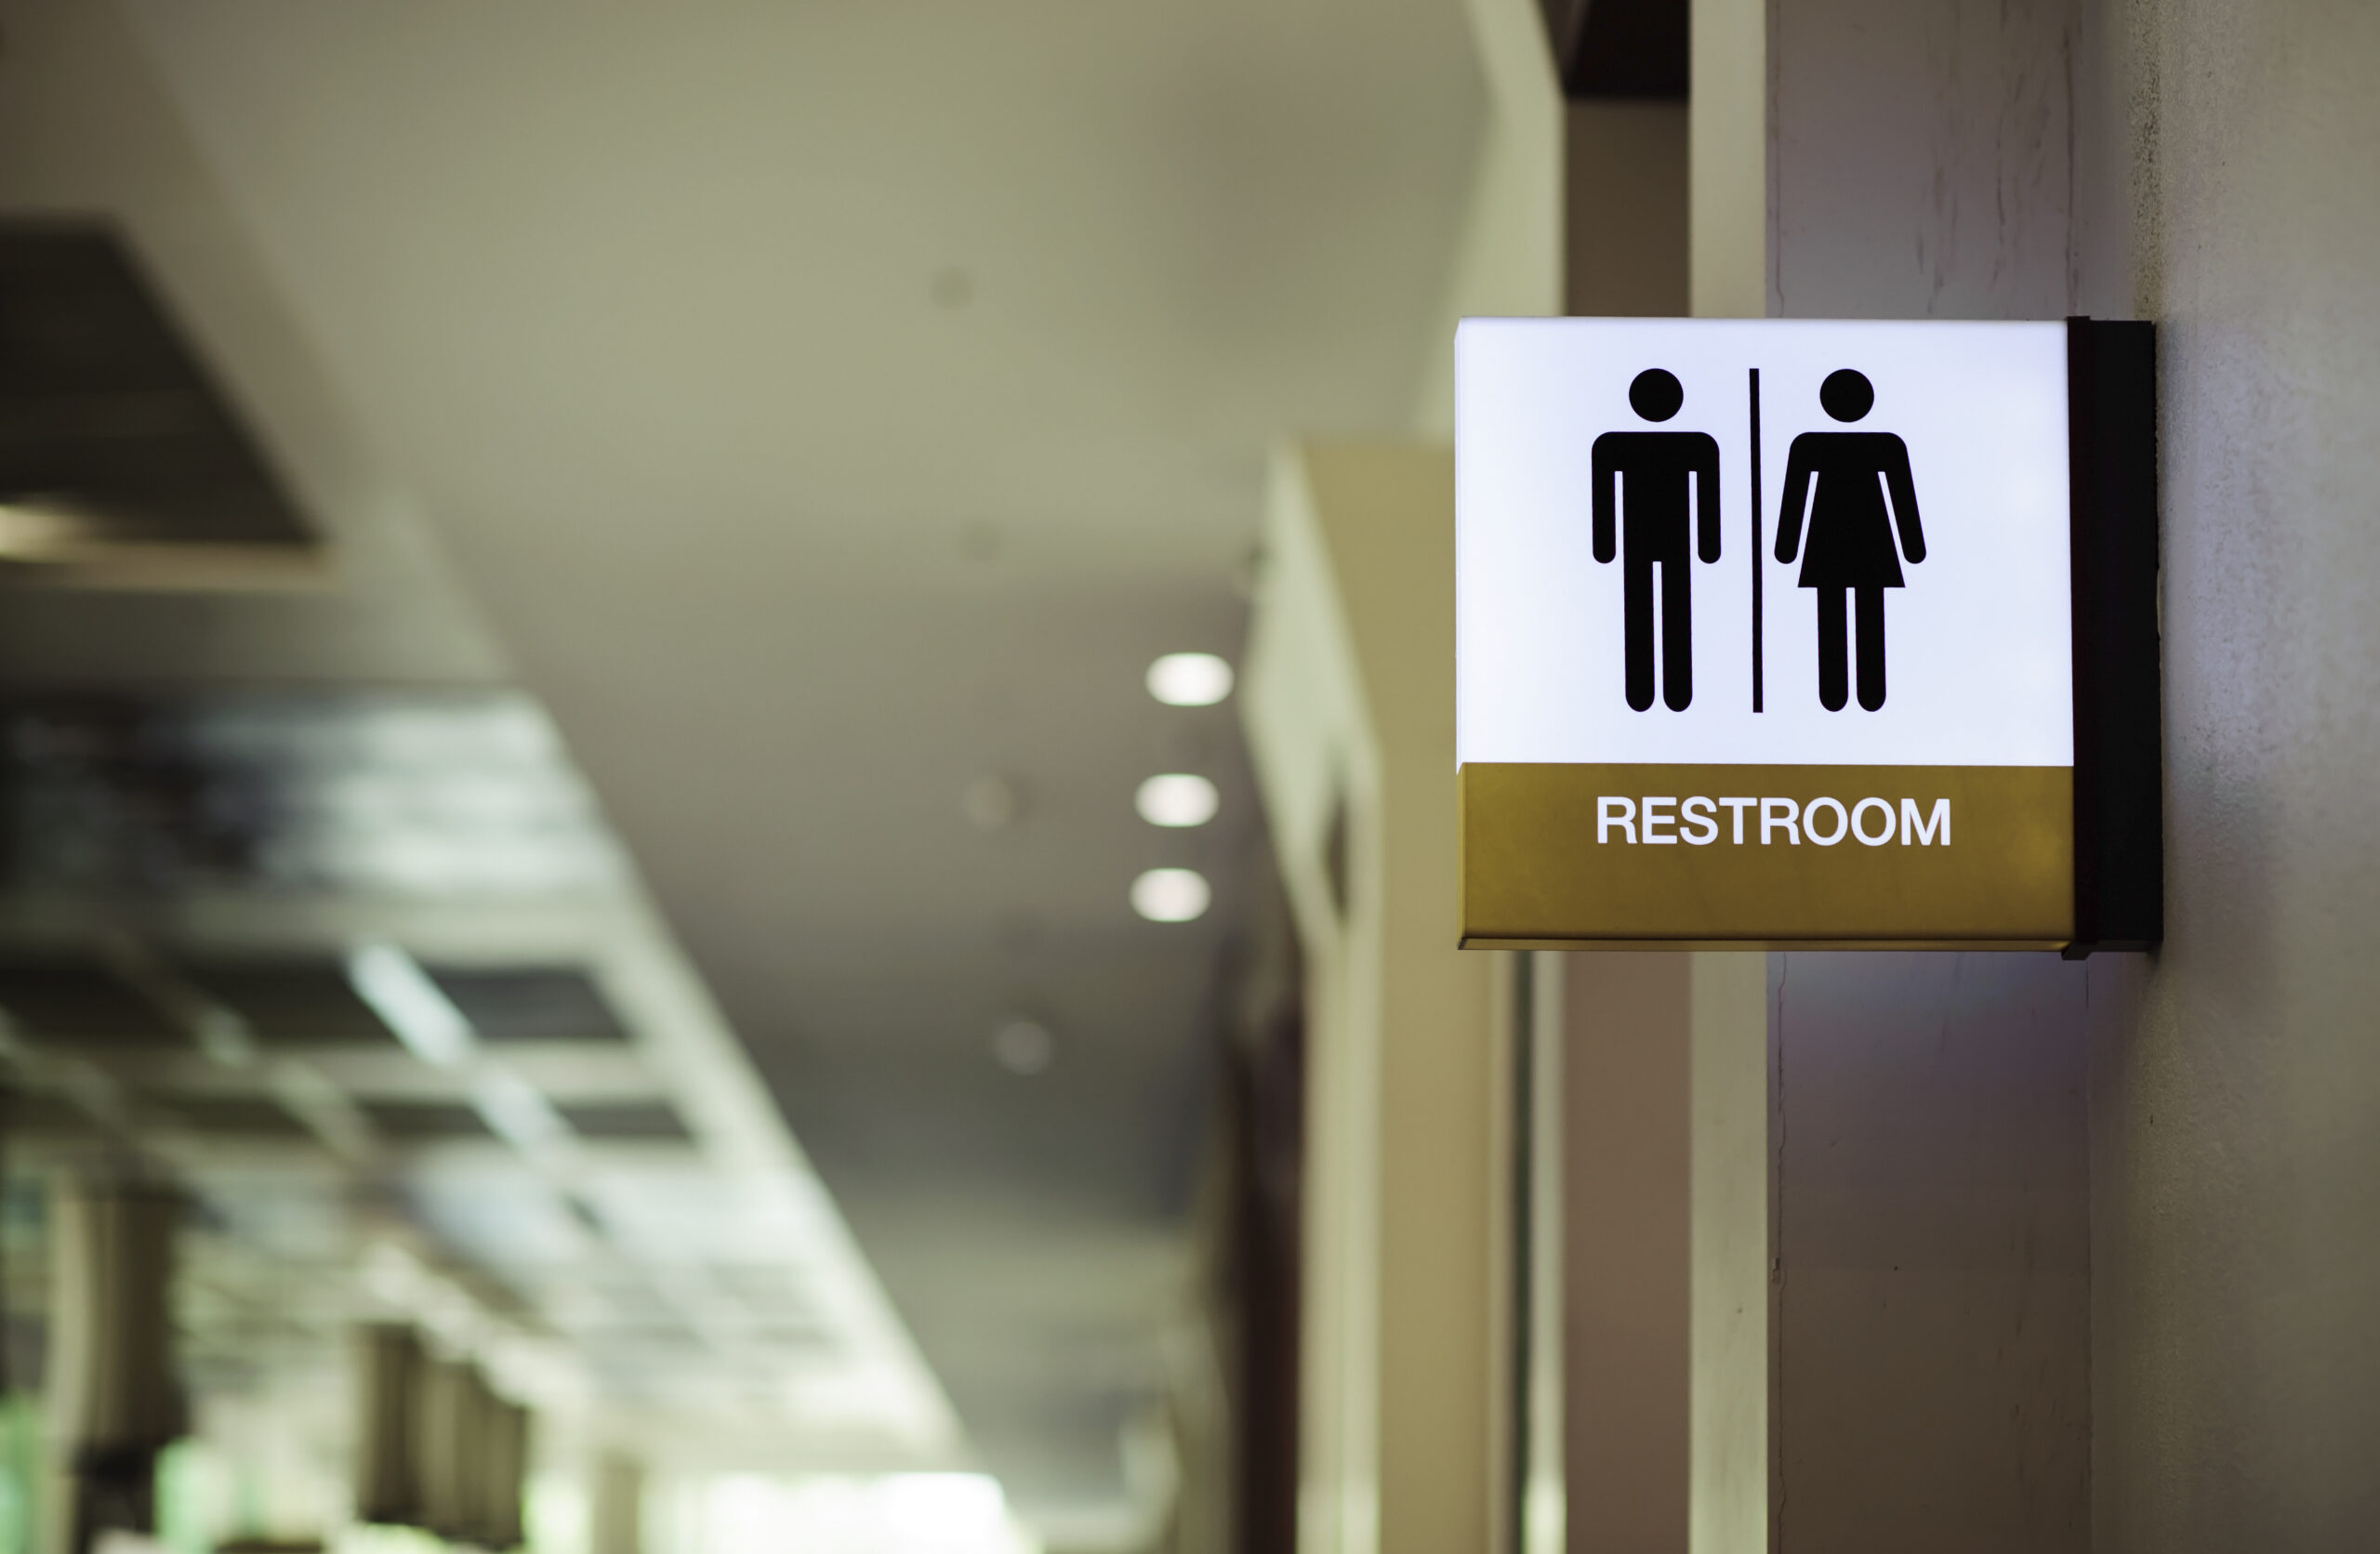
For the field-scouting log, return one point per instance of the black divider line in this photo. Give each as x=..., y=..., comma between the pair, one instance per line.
x=1755, y=542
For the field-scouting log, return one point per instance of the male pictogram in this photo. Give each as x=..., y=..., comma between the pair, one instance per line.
x=1850, y=543
x=1666, y=478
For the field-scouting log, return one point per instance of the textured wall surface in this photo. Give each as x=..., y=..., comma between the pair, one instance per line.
x=1921, y=160
x=2237, y=1206
x=1932, y=1303
x=1933, y=1237
x=2210, y=165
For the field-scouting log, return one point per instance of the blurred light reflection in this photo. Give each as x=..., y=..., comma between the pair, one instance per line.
x=896, y=1513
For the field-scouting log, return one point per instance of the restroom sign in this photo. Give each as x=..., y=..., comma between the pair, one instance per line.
x=1806, y=633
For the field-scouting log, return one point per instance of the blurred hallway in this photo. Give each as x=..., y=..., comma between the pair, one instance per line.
x=748, y=459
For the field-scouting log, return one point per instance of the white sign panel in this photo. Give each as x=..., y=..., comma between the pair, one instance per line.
x=1763, y=542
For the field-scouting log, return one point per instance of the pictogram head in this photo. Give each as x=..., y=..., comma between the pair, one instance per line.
x=1846, y=395
x=1656, y=394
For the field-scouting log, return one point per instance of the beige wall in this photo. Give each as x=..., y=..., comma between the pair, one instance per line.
x=1728, y=146
x=2236, y=1210
x=1350, y=702
x=1508, y=257
x=1390, y=514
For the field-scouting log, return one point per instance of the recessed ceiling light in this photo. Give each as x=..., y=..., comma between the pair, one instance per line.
x=1172, y=895
x=1189, y=679
x=1023, y=1046
x=1177, y=798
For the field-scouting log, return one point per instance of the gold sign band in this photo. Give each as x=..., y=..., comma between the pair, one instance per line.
x=1787, y=855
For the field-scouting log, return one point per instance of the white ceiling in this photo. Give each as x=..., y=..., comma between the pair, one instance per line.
x=817, y=407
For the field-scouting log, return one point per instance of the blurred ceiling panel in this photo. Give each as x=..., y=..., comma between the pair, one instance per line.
x=536, y=1004
x=381, y=793
x=197, y=937
x=651, y=1121
x=82, y=1005
x=294, y=1003
x=117, y=448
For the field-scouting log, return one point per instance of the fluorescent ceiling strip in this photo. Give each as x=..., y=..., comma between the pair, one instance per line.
x=402, y=993
x=516, y=1111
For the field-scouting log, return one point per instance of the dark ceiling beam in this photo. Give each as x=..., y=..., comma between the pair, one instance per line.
x=1619, y=48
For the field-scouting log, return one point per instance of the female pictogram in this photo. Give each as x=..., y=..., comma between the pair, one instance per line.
x=1663, y=477
x=1850, y=540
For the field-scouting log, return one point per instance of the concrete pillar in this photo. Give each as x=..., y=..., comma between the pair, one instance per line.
x=1930, y=1332
x=1545, y=1505
x=1665, y=1206
x=1665, y=1056
x=386, y=1468
x=447, y=1422
x=1729, y=1247
x=1627, y=1269
x=616, y=1505
x=115, y=1398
